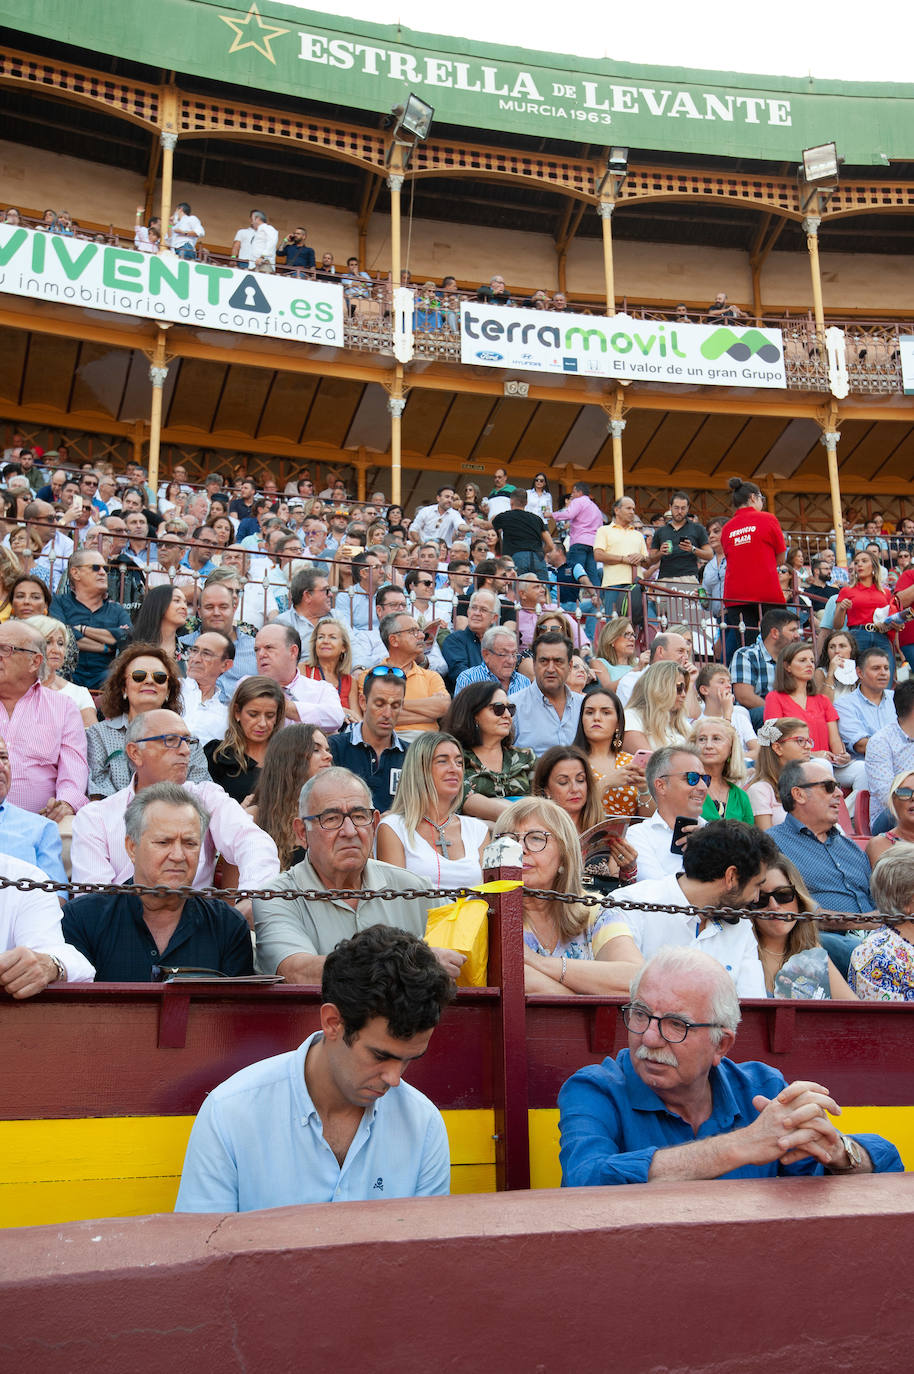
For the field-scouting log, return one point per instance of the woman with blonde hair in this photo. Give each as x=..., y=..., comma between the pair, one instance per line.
x=858, y=603
x=10, y=569
x=794, y=961
x=655, y=715
x=60, y=656
x=785, y=740
x=569, y=947
x=422, y=832
x=722, y=755
x=329, y=659
x=614, y=652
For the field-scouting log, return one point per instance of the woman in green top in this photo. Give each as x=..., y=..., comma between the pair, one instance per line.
x=481, y=719
x=722, y=755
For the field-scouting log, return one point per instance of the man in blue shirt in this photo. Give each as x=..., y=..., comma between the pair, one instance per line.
x=25, y=835
x=100, y=626
x=371, y=747
x=834, y=869
x=548, y=711
x=499, y=662
x=672, y=1107
x=333, y=1121
x=870, y=706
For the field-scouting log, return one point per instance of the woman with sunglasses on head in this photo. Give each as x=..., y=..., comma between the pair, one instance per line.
x=160, y=619
x=570, y=948
x=835, y=671
x=722, y=755
x=256, y=712
x=900, y=802
x=601, y=729
x=60, y=656
x=422, y=832
x=293, y=755
x=795, y=963
x=655, y=715
x=785, y=740
x=142, y=678
x=481, y=719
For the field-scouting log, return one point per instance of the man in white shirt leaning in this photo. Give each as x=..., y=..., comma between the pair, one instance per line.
x=724, y=865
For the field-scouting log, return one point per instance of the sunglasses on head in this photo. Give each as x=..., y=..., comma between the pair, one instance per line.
x=158, y=675
x=500, y=707
x=383, y=670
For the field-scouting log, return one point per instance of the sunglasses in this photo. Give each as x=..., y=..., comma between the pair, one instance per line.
x=158, y=675
x=383, y=671
x=903, y=793
x=691, y=777
x=500, y=707
x=94, y=567
x=780, y=895
x=828, y=784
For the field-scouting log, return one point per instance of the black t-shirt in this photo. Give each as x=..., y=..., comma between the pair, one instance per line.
x=818, y=596
x=520, y=531
x=677, y=564
x=237, y=783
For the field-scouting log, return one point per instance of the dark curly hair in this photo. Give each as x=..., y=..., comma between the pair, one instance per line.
x=113, y=699
x=383, y=971
x=460, y=720
x=728, y=844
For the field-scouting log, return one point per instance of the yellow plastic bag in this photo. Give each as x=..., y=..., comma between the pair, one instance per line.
x=464, y=927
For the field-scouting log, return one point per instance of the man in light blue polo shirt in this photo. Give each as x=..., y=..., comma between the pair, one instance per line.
x=333, y=1121
x=870, y=706
x=548, y=711
x=25, y=835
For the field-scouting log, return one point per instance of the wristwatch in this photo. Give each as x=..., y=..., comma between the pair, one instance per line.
x=61, y=968
x=854, y=1156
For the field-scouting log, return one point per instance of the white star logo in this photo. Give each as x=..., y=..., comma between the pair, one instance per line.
x=263, y=34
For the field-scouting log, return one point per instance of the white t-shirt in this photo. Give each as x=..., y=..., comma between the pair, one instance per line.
x=734, y=946
x=651, y=840
x=424, y=859
x=633, y=721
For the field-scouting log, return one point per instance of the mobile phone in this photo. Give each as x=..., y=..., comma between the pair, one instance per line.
x=640, y=758
x=77, y=503
x=681, y=824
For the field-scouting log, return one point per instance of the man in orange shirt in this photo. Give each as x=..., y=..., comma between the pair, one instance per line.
x=427, y=698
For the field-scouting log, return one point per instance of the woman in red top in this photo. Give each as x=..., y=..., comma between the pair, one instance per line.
x=753, y=543
x=795, y=694
x=329, y=659
x=857, y=602
x=904, y=591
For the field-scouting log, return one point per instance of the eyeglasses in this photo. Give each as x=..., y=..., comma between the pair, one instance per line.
x=903, y=793
x=194, y=652
x=410, y=630
x=500, y=707
x=828, y=784
x=533, y=842
x=332, y=819
x=158, y=675
x=424, y=583
x=7, y=649
x=673, y=1029
x=383, y=671
x=803, y=740
x=781, y=896
x=92, y=567
x=691, y=777
x=681, y=689
x=502, y=653
x=172, y=741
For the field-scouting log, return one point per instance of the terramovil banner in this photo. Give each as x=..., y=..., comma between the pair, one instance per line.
x=50, y=267
x=621, y=348
x=906, y=349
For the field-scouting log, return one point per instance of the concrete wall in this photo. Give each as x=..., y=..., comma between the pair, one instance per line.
x=764, y=1277
x=34, y=178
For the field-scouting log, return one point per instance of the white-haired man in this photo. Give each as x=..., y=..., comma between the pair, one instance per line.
x=673, y=1107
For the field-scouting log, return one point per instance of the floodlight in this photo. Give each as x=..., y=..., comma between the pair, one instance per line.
x=416, y=118
x=820, y=163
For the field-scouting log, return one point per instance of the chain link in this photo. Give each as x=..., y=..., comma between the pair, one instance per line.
x=389, y=894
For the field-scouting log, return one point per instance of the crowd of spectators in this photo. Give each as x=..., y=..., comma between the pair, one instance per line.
x=227, y=685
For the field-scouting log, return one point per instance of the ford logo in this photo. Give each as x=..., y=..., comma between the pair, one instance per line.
x=490, y=357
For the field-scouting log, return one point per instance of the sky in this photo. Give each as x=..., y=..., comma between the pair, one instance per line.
x=780, y=38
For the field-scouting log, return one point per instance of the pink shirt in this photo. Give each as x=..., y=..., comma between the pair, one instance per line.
x=46, y=739
x=586, y=518
x=99, y=856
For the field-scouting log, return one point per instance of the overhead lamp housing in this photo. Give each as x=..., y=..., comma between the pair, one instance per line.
x=821, y=163
x=415, y=120
x=617, y=161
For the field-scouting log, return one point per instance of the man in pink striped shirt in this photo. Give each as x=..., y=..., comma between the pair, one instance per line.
x=42, y=728
x=585, y=519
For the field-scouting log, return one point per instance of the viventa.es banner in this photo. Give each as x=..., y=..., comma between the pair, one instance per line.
x=621, y=348
x=50, y=267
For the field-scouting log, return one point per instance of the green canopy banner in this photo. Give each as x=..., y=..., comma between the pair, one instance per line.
x=70, y=271
x=621, y=348
x=272, y=47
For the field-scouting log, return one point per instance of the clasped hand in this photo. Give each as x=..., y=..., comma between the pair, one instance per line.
x=794, y=1125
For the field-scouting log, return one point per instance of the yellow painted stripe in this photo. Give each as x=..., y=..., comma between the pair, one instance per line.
x=63, y=1170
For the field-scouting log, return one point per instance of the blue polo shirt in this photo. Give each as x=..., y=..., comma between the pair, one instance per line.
x=835, y=870
x=537, y=724
x=381, y=775
x=209, y=934
x=612, y=1124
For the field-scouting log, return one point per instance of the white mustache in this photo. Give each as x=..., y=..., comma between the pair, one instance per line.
x=657, y=1056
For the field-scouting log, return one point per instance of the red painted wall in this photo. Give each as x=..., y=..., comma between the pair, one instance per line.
x=803, y=1274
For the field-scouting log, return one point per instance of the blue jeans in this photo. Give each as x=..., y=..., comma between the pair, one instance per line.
x=582, y=553
x=908, y=651
x=526, y=562
x=868, y=639
x=612, y=596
